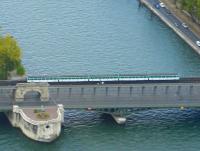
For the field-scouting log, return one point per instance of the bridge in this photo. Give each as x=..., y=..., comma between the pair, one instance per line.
x=155, y=92
x=26, y=101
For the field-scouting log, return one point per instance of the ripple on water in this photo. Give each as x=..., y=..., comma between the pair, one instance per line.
x=149, y=127
x=144, y=129
x=97, y=37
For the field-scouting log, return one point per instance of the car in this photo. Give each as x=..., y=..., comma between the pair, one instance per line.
x=185, y=25
x=176, y=24
x=198, y=43
x=157, y=5
x=168, y=12
x=162, y=5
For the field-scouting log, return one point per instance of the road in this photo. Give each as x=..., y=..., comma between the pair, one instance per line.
x=165, y=12
x=111, y=96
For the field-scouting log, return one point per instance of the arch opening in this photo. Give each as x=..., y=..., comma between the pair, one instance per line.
x=32, y=96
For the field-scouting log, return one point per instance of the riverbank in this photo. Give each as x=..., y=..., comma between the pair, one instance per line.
x=174, y=23
x=182, y=16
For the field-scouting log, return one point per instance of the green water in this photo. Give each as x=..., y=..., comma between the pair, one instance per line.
x=101, y=37
x=150, y=130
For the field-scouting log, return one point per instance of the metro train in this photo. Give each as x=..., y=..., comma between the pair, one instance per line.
x=94, y=79
x=109, y=78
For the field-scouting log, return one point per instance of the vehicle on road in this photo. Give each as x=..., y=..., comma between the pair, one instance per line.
x=157, y=5
x=198, y=43
x=185, y=25
x=176, y=24
x=168, y=11
x=162, y=5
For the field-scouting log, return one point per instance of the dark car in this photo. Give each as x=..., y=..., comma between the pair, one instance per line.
x=157, y=5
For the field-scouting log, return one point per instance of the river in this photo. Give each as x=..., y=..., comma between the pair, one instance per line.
x=101, y=37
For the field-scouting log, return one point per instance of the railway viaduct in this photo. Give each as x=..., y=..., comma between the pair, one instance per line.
x=108, y=97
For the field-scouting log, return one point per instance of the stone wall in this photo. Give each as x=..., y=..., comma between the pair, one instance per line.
x=44, y=131
x=23, y=88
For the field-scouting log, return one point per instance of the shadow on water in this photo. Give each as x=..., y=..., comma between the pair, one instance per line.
x=107, y=118
x=79, y=126
x=138, y=117
x=160, y=118
x=4, y=120
x=87, y=118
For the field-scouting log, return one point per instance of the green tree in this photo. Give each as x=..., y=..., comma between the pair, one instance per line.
x=10, y=56
x=192, y=7
x=20, y=70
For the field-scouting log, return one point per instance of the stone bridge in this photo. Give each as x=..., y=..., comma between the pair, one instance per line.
x=23, y=88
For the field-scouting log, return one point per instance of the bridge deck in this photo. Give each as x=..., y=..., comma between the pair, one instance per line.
x=127, y=95
x=160, y=94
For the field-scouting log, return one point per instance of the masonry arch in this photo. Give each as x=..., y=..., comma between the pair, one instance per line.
x=32, y=95
x=22, y=89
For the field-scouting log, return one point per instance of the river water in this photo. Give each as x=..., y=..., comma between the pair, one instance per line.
x=100, y=37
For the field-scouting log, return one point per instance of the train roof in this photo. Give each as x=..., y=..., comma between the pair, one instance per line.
x=104, y=76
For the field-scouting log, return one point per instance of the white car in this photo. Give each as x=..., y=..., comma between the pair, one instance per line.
x=162, y=5
x=184, y=25
x=198, y=43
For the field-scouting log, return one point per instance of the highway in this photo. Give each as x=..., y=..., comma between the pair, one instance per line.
x=165, y=12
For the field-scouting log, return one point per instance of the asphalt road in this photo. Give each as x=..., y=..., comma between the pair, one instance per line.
x=175, y=21
x=112, y=96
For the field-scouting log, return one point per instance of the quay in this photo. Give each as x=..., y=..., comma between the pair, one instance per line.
x=173, y=22
x=36, y=105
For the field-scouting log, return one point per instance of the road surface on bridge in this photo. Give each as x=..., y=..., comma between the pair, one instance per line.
x=112, y=95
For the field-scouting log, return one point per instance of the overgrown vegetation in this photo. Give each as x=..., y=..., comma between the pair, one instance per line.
x=191, y=6
x=41, y=113
x=10, y=57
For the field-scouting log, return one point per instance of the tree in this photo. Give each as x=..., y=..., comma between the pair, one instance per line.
x=192, y=7
x=10, y=56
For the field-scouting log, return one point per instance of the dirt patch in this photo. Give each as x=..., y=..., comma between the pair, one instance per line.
x=49, y=113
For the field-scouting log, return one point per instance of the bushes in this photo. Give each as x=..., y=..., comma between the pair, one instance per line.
x=41, y=114
x=20, y=70
x=2, y=74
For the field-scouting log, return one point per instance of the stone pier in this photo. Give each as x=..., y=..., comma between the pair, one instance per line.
x=41, y=124
x=118, y=115
x=119, y=119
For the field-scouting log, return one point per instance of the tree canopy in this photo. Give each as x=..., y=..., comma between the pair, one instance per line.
x=10, y=57
x=191, y=6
